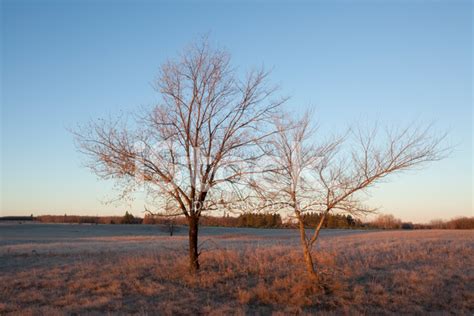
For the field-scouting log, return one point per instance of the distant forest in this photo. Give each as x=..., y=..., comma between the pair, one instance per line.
x=258, y=220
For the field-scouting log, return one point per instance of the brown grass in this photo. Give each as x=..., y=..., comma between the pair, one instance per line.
x=414, y=272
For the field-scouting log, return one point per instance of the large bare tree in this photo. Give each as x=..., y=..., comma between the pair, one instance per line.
x=195, y=143
x=309, y=175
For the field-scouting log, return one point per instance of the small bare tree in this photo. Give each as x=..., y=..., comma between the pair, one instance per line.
x=330, y=176
x=166, y=216
x=195, y=143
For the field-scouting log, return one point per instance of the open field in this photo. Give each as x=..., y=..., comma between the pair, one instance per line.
x=96, y=269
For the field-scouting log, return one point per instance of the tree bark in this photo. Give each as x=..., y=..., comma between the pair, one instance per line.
x=193, y=243
x=306, y=251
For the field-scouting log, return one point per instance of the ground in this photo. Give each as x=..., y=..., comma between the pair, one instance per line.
x=49, y=269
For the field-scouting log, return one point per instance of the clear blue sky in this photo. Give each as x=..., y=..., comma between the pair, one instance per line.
x=64, y=62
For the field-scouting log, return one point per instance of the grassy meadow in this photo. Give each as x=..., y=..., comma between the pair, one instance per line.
x=99, y=269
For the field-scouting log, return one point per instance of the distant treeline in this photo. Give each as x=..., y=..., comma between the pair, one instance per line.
x=332, y=221
x=78, y=219
x=262, y=220
x=17, y=218
x=456, y=223
x=256, y=220
x=390, y=222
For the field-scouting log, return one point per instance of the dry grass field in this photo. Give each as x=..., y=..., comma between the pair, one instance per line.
x=97, y=270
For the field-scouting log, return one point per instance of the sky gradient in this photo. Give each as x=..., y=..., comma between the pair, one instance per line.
x=64, y=63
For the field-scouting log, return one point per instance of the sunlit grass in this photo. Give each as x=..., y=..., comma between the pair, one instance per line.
x=382, y=272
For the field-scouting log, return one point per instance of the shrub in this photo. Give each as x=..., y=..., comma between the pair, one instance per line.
x=407, y=226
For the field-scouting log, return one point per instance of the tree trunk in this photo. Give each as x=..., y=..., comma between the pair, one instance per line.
x=193, y=243
x=306, y=252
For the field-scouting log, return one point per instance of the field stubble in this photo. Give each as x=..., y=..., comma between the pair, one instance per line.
x=370, y=273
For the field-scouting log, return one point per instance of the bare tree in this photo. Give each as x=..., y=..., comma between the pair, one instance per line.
x=195, y=144
x=329, y=176
x=387, y=221
x=167, y=215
